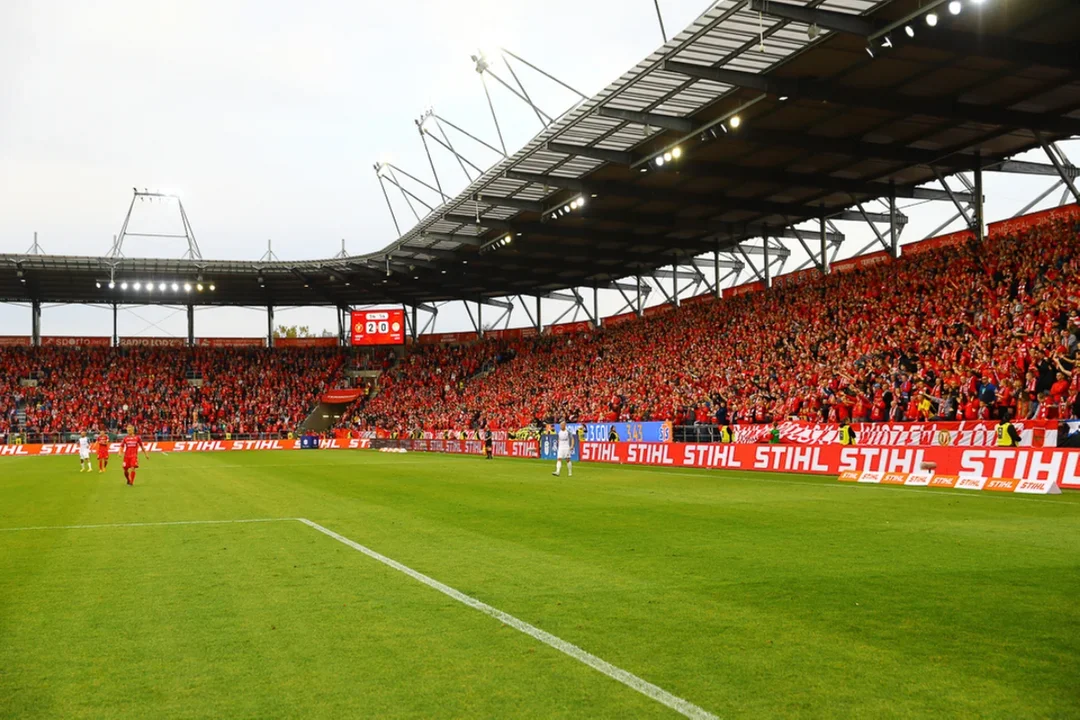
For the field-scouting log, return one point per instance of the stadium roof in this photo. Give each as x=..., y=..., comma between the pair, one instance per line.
x=861, y=111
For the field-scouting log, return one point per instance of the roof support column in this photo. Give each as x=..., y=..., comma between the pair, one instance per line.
x=270, y=326
x=35, y=323
x=675, y=282
x=480, y=320
x=639, y=309
x=980, y=221
x=765, y=258
x=539, y=323
x=115, y=336
x=596, y=304
x=1066, y=177
x=894, y=236
x=824, y=256
x=716, y=268
x=415, y=323
x=190, y=325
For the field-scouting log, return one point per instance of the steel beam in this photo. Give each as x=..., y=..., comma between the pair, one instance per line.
x=613, y=156
x=717, y=262
x=1021, y=167
x=1065, y=178
x=508, y=202
x=889, y=101
x=667, y=122
x=554, y=181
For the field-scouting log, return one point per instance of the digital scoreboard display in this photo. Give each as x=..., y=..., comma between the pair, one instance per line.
x=378, y=327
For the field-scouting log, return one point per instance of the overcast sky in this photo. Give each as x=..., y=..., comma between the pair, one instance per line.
x=266, y=118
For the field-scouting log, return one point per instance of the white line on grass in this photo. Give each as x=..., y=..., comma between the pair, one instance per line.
x=146, y=524
x=630, y=680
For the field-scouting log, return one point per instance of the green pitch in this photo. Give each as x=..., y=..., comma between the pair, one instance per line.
x=746, y=595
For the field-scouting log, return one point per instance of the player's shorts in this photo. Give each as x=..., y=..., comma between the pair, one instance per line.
x=131, y=462
x=84, y=454
x=103, y=454
x=563, y=454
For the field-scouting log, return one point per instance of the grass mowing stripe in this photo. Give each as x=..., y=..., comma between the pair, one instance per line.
x=644, y=687
x=145, y=524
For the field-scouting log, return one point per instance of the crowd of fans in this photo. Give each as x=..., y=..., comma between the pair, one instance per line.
x=969, y=331
x=964, y=332
x=162, y=391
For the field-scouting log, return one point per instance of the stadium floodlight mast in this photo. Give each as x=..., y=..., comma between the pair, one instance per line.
x=192, y=253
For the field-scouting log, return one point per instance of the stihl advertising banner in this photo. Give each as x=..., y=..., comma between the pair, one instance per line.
x=500, y=448
x=1061, y=466
x=191, y=446
x=973, y=433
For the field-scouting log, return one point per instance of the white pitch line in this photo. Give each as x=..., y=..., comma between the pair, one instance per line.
x=644, y=687
x=146, y=524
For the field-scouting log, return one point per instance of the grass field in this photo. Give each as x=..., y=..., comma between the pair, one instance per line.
x=746, y=595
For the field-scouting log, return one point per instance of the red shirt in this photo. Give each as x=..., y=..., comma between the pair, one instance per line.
x=131, y=444
x=103, y=444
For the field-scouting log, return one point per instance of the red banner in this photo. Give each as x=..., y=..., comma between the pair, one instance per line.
x=795, y=278
x=305, y=342
x=569, y=328
x=448, y=338
x=230, y=342
x=619, y=319
x=861, y=262
x=1060, y=466
x=731, y=292
x=704, y=297
x=499, y=448
x=341, y=396
x=14, y=341
x=1026, y=222
x=938, y=242
x=959, y=434
x=76, y=342
x=378, y=327
x=185, y=446
x=658, y=309
x=157, y=342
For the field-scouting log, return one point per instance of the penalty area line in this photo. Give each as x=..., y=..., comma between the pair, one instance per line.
x=632, y=681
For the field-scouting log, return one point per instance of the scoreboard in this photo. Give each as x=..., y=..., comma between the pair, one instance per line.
x=378, y=327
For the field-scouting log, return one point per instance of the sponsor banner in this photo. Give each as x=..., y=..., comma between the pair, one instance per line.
x=14, y=341
x=970, y=482
x=309, y=342
x=182, y=446
x=849, y=476
x=697, y=299
x=952, y=463
x=1001, y=484
x=230, y=342
x=658, y=310
x=378, y=327
x=1026, y=222
x=894, y=479
x=569, y=328
x=153, y=342
x=627, y=431
x=870, y=477
x=448, y=338
x=738, y=290
x=620, y=319
x=499, y=448
x=795, y=278
x=461, y=435
x=861, y=262
x=76, y=342
x=341, y=396
x=972, y=433
x=549, y=445
x=940, y=241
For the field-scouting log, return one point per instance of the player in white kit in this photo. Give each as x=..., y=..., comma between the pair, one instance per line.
x=84, y=452
x=564, y=450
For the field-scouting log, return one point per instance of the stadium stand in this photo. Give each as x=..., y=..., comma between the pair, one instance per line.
x=958, y=332
x=165, y=392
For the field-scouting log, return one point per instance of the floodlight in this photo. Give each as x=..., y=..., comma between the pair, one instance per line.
x=175, y=287
x=931, y=19
x=137, y=286
x=97, y=285
x=659, y=161
x=212, y=287
x=162, y=287
x=955, y=7
x=199, y=287
x=736, y=121
x=112, y=285
x=910, y=31
x=667, y=157
x=123, y=286
x=187, y=287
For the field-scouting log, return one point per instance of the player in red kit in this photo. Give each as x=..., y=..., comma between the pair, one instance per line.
x=131, y=446
x=102, y=451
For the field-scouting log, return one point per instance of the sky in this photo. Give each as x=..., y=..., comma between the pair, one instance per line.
x=267, y=117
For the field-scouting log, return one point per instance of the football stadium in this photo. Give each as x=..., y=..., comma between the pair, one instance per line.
x=681, y=408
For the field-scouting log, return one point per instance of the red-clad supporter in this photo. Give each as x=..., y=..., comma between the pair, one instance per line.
x=959, y=332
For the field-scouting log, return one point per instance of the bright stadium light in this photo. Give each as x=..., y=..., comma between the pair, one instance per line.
x=566, y=209
x=955, y=7
x=137, y=286
x=187, y=287
x=199, y=286
x=162, y=287
x=660, y=161
x=931, y=19
x=123, y=286
x=112, y=285
x=175, y=287
x=212, y=287
x=97, y=285
x=676, y=152
x=667, y=157
x=736, y=121
x=910, y=31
